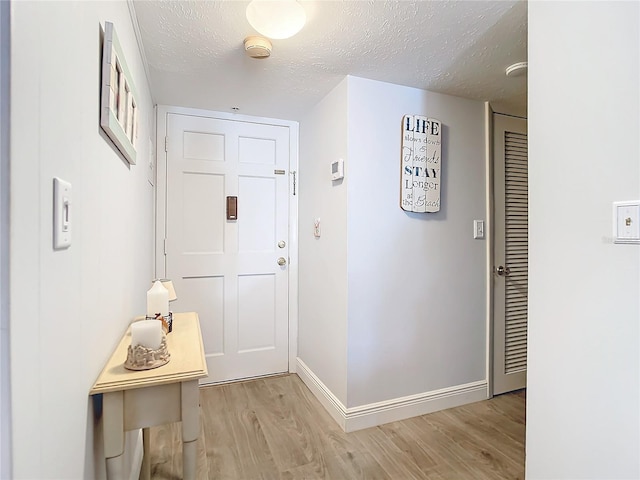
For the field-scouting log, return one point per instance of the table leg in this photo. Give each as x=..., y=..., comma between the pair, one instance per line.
x=189, y=460
x=115, y=468
x=145, y=473
x=113, y=431
x=190, y=427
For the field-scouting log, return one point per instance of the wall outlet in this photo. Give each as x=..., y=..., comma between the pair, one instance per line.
x=626, y=222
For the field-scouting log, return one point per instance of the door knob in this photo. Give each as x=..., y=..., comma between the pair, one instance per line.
x=503, y=271
x=282, y=261
x=282, y=244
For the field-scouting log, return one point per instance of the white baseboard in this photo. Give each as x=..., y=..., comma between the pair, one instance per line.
x=328, y=400
x=374, y=414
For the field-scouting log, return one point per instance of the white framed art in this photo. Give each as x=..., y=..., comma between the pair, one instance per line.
x=118, y=106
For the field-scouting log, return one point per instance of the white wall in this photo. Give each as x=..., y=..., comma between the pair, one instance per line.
x=392, y=304
x=416, y=281
x=584, y=153
x=322, y=335
x=5, y=400
x=70, y=307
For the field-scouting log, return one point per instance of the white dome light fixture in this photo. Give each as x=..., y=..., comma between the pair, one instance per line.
x=517, y=69
x=276, y=19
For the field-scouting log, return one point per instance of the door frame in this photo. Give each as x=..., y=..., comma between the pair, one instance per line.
x=6, y=461
x=489, y=232
x=490, y=236
x=160, y=213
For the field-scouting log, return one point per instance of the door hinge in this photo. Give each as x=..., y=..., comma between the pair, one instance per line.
x=294, y=173
x=164, y=247
x=166, y=144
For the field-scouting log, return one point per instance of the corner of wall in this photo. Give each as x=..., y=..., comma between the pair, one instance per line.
x=393, y=410
x=322, y=267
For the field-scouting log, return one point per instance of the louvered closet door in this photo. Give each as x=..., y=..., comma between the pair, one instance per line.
x=510, y=253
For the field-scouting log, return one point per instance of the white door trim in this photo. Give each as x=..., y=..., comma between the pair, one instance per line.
x=6, y=461
x=162, y=112
x=488, y=111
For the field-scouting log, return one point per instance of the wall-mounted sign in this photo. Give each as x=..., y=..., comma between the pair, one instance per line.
x=421, y=164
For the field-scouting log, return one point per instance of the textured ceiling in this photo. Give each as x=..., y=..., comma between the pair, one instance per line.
x=196, y=55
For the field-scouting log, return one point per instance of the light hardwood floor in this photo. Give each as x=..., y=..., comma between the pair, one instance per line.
x=274, y=428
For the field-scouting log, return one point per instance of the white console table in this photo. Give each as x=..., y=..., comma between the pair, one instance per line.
x=142, y=399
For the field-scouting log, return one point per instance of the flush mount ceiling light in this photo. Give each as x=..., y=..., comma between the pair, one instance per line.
x=276, y=19
x=516, y=69
x=257, y=47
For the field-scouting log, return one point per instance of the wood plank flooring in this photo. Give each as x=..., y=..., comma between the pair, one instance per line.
x=274, y=428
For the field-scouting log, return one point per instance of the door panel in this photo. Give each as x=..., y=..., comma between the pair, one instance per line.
x=208, y=294
x=256, y=312
x=202, y=234
x=227, y=270
x=257, y=150
x=257, y=231
x=203, y=146
x=510, y=253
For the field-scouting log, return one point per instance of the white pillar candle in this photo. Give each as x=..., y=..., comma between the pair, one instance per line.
x=158, y=300
x=147, y=333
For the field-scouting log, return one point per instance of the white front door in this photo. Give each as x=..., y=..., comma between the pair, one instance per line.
x=231, y=271
x=511, y=267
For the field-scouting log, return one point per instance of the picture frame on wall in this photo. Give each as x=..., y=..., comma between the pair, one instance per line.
x=118, y=105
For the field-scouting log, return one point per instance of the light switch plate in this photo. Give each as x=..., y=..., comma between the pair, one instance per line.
x=626, y=222
x=337, y=169
x=61, y=214
x=478, y=229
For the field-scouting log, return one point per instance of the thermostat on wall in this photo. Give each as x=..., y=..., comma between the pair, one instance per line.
x=337, y=169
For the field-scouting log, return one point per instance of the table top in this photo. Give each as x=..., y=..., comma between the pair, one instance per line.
x=187, y=360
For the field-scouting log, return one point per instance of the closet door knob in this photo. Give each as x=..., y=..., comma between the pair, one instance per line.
x=503, y=271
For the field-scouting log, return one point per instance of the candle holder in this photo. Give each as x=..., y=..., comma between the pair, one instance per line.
x=143, y=358
x=167, y=322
